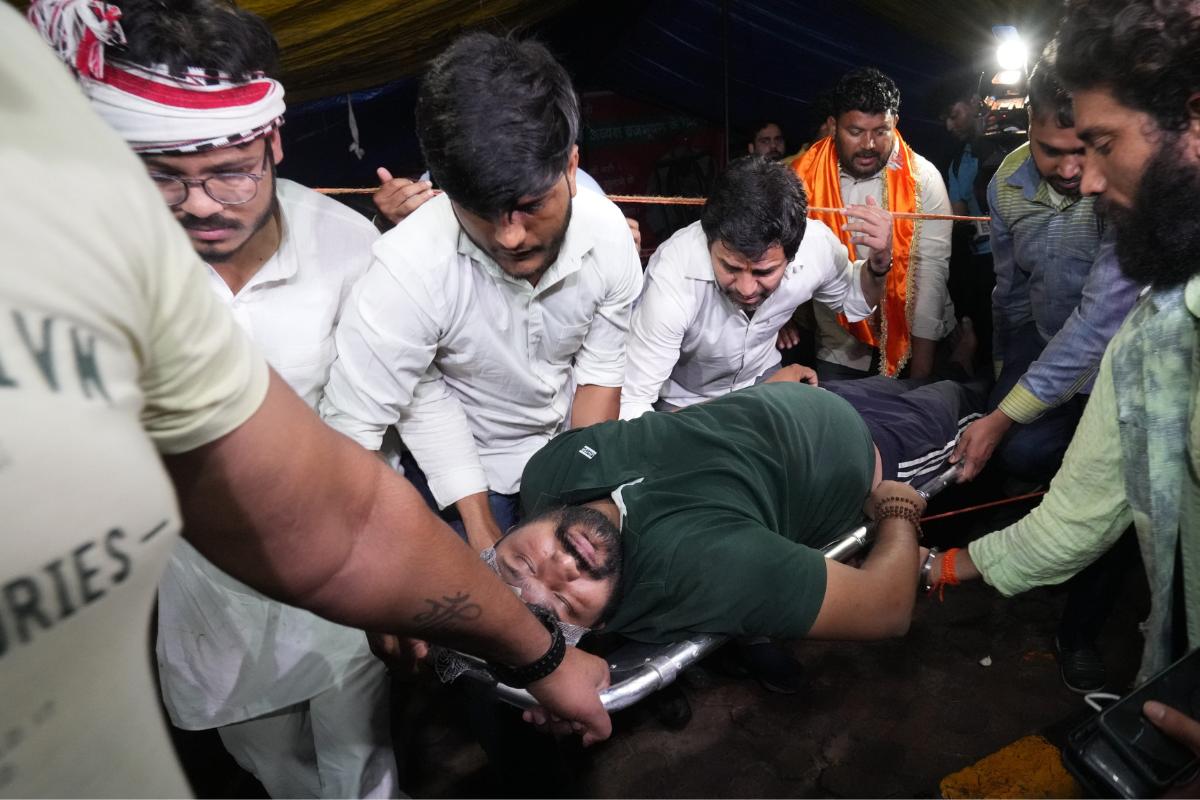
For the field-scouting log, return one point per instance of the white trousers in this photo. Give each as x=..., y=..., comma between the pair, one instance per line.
x=337, y=744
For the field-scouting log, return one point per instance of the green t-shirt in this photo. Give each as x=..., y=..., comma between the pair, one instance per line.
x=719, y=535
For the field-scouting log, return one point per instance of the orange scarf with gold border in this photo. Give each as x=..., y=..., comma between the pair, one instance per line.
x=889, y=329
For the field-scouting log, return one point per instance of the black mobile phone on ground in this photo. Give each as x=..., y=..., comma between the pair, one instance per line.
x=1157, y=757
x=1098, y=767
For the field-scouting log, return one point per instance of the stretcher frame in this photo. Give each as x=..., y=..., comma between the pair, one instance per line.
x=654, y=668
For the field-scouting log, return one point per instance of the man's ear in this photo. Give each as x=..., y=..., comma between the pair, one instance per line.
x=1193, y=129
x=572, y=165
x=276, y=145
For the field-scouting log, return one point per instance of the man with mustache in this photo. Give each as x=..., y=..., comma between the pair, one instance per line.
x=300, y=702
x=1132, y=70
x=716, y=295
x=496, y=315
x=767, y=140
x=1060, y=296
x=866, y=157
x=718, y=291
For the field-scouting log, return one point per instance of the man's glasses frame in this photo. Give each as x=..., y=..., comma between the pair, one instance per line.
x=227, y=188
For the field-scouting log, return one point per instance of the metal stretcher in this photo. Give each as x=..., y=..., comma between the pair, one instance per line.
x=637, y=671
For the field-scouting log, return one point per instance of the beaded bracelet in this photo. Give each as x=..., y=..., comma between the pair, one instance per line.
x=897, y=499
x=898, y=508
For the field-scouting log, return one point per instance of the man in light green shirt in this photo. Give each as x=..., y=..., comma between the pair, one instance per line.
x=1136, y=454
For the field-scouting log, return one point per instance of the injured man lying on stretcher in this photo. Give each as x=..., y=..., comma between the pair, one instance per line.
x=710, y=519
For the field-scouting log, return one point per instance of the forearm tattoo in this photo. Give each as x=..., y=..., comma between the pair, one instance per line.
x=449, y=609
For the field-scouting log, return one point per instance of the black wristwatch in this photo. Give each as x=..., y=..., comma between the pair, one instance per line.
x=520, y=677
x=879, y=274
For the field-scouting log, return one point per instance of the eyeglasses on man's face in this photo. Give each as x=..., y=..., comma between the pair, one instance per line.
x=227, y=188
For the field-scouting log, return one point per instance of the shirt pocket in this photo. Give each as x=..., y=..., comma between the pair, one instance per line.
x=563, y=341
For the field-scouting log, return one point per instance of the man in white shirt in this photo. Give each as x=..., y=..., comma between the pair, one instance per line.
x=866, y=157
x=131, y=406
x=718, y=291
x=299, y=701
x=494, y=316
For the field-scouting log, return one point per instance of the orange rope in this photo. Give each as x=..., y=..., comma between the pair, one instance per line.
x=326, y=190
x=655, y=200
x=992, y=504
x=640, y=199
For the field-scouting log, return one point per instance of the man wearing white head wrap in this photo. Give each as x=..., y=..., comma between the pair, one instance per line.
x=298, y=701
x=163, y=105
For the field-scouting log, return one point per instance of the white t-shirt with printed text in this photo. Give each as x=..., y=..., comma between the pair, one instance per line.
x=112, y=350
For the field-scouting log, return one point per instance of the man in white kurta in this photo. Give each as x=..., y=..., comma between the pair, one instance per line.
x=300, y=702
x=272, y=678
x=691, y=338
x=495, y=315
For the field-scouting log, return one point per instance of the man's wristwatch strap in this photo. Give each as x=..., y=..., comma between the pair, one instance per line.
x=520, y=677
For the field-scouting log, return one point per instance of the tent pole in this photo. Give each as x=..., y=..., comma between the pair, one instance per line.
x=728, y=143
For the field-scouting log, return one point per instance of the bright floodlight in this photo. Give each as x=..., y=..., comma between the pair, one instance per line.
x=1011, y=54
x=1010, y=50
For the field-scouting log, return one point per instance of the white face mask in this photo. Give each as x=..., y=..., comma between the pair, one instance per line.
x=449, y=665
x=572, y=633
x=489, y=557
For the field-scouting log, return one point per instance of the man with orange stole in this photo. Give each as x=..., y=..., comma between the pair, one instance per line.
x=866, y=157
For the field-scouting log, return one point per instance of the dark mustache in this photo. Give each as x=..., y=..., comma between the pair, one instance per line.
x=193, y=223
x=520, y=254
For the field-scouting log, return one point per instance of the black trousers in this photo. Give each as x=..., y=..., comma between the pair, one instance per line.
x=915, y=424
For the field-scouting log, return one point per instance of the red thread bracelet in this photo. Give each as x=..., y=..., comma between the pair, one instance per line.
x=949, y=575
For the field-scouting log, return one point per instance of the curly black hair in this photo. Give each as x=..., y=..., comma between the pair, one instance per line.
x=867, y=90
x=210, y=34
x=754, y=204
x=1146, y=52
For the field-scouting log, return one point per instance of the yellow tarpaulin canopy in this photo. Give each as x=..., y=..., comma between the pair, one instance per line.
x=334, y=47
